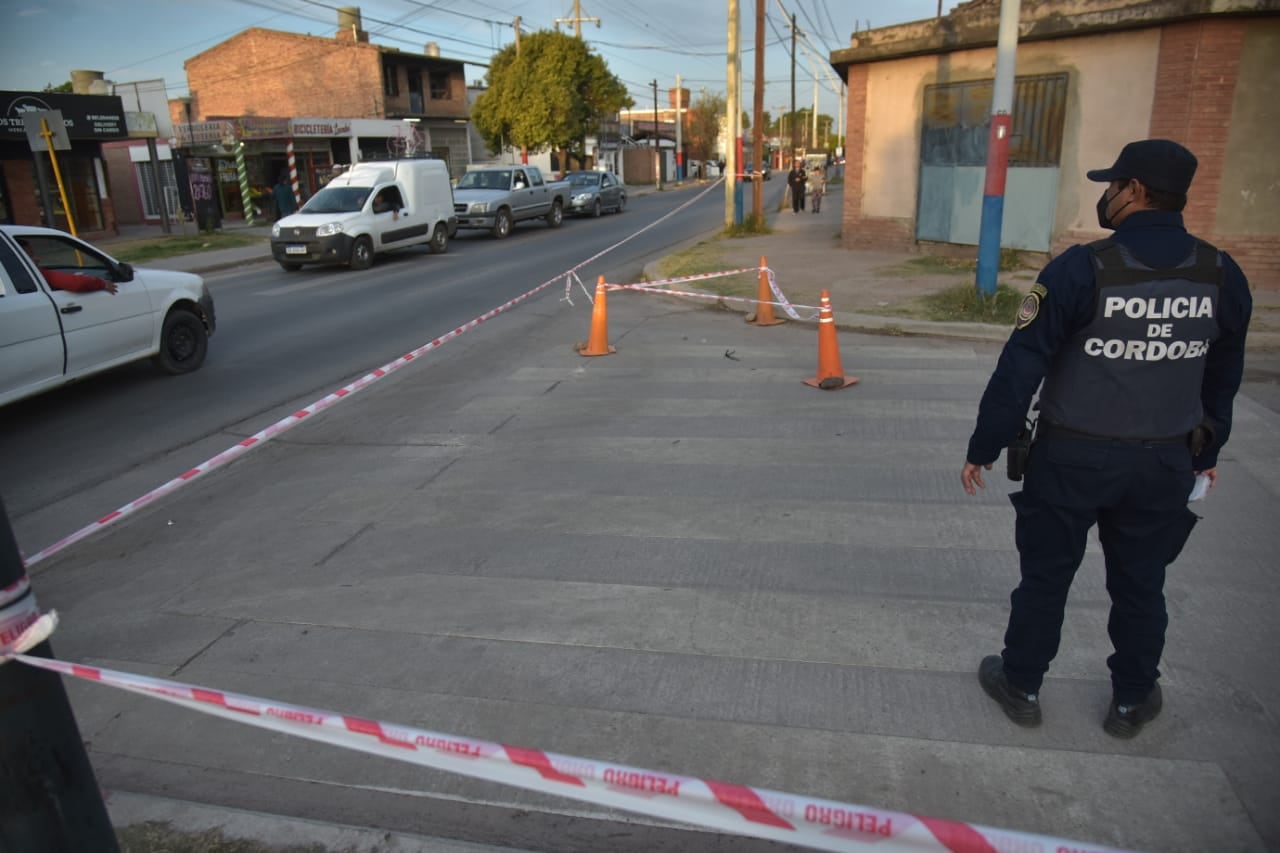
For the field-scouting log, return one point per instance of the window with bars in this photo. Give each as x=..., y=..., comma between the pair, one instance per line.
x=957, y=122
x=168, y=186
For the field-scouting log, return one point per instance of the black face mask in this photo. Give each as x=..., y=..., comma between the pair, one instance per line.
x=1104, y=221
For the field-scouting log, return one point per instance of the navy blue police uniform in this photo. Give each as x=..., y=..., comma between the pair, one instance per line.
x=1138, y=339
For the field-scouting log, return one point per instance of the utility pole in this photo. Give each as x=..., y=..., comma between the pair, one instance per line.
x=733, y=110
x=794, y=128
x=998, y=150
x=51, y=801
x=679, y=135
x=657, y=149
x=577, y=19
x=757, y=122
x=524, y=152
x=815, y=144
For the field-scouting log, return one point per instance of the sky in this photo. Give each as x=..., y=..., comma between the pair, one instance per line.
x=641, y=40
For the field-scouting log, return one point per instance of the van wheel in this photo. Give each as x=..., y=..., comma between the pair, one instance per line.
x=183, y=343
x=290, y=267
x=502, y=224
x=361, y=253
x=440, y=239
x=556, y=216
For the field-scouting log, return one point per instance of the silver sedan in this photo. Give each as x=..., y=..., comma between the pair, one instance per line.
x=595, y=192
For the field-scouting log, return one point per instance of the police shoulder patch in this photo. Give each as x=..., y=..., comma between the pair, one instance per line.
x=1029, y=309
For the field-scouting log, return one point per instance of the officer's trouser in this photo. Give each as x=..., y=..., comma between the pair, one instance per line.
x=1137, y=495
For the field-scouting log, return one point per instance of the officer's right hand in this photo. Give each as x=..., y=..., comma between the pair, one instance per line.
x=971, y=475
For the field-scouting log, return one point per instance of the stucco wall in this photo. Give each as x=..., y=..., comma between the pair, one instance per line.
x=1249, y=195
x=1109, y=97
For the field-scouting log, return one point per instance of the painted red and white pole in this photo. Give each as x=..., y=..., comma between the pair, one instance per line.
x=293, y=171
x=998, y=149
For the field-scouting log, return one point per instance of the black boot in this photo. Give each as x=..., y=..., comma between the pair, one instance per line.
x=1022, y=708
x=1125, y=721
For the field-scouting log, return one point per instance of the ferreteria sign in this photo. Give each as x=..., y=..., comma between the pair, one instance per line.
x=96, y=118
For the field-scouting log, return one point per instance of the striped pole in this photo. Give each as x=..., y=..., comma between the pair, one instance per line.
x=293, y=171
x=242, y=172
x=998, y=150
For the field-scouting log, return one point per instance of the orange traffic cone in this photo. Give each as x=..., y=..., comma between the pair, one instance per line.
x=764, y=296
x=598, y=343
x=830, y=373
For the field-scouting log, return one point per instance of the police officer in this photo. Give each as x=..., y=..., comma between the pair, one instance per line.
x=1139, y=340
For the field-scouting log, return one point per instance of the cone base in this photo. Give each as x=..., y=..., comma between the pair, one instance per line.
x=752, y=320
x=585, y=351
x=831, y=383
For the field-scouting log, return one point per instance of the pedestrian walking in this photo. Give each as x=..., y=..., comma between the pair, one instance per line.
x=1139, y=339
x=795, y=185
x=817, y=188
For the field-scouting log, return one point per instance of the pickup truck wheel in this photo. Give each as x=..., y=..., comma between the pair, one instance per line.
x=440, y=239
x=502, y=224
x=290, y=267
x=183, y=343
x=556, y=216
x=595, y=209
x=361, y=253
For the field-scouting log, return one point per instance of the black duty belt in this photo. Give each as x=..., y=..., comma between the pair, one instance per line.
x=1048, y=430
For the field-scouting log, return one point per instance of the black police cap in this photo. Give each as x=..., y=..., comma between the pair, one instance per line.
x=1160, y=164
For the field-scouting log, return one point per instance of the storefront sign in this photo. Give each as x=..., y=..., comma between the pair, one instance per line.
x=204, y=133
x=86, y=117
x=320, y=127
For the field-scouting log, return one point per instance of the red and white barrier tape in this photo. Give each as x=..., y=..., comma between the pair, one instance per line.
x=283, y=425
x=739, y=809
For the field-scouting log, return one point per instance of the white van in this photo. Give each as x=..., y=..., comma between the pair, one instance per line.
x=371, y=208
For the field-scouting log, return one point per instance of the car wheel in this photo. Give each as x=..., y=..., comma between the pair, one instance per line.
x=502, y=224
x=622, y=203
x=440, y=239
x=361, y=253
x=290, y=267
x=595, y=209
x=556, y=216
x=183, y=343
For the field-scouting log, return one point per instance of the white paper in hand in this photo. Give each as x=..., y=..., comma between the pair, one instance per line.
x=1200, y=489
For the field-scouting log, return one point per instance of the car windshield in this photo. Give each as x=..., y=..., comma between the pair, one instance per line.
x=483, y=180
x=337, y=200
x=584, y=179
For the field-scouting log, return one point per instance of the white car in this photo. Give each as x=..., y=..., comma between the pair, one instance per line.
x=50, y=336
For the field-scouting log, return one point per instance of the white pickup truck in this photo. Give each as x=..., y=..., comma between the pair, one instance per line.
x=494, y=198
x=51, y=336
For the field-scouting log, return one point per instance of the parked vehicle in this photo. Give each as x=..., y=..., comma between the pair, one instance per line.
x=494, y=198
x=371, y=208
x=594, y=192
x=49, y=337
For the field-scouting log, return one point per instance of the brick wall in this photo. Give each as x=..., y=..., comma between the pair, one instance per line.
x=1195, y=89
x=270, y=73
x=856, y=229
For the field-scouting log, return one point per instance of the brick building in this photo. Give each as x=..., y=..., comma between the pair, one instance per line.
x=1091, y=76
x=262, y=81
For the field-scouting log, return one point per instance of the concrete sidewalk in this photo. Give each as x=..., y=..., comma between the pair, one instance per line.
x=678, y=557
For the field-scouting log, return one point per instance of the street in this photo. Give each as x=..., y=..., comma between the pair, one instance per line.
x=285, y=339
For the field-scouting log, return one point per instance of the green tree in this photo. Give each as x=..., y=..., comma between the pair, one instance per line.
x=703, y=123
x=64, y=87
x=550, y=94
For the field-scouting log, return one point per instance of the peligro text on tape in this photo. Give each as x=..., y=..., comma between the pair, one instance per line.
x=284, y=424
x=805, y=821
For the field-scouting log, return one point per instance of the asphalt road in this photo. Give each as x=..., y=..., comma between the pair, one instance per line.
x=284, y=340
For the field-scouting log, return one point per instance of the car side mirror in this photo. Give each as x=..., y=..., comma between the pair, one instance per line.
x=124, y=271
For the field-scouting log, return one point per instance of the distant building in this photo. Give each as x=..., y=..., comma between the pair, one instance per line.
x=1091, y=76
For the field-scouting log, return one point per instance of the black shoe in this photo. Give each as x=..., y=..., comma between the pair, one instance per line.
x=1022, y=708
x=1125, y=721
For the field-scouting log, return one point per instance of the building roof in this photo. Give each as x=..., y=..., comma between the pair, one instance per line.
x=975, y=24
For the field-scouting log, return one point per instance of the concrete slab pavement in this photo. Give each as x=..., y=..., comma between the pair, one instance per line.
x=676, y=560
